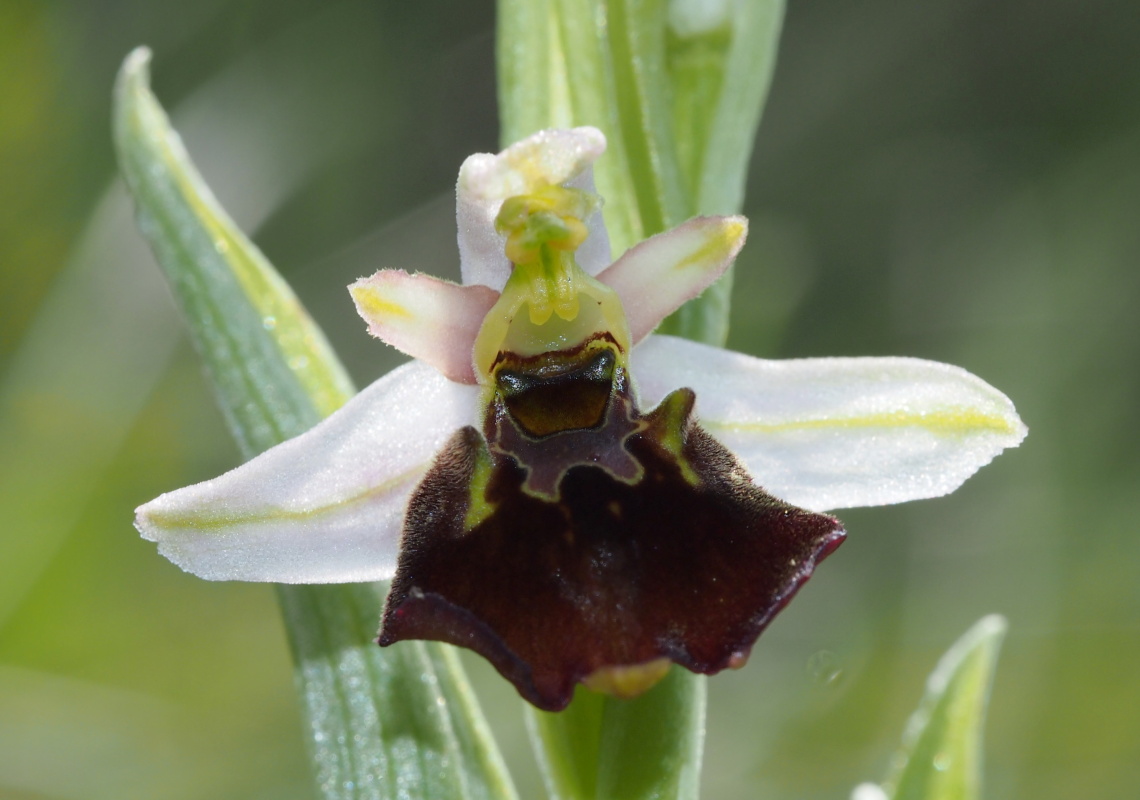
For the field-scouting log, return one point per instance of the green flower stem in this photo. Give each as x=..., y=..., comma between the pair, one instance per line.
x=567, y=744
x=601, y=748
x=652, y=746
x=382, y=724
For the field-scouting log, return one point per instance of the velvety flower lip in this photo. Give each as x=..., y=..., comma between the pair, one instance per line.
x=549, y=463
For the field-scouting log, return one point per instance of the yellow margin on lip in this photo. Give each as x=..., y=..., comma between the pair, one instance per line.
x=199, y=521
x=945, y=422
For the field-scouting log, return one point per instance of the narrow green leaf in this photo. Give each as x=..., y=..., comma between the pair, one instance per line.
x=555, y=70
x=380, y=723
x=584, y=48
x=533, y=83
x=677, y=89
x=393, y=723
x=721, y=70
x=941, y=753
x=637, y=31
x=721, y=57
x=697, y=63
x=273, y=370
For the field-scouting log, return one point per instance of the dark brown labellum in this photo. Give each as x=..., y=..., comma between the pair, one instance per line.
x=563, y=542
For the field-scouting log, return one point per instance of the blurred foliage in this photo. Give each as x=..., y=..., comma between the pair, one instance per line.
x=941, y=753
x=952, y=180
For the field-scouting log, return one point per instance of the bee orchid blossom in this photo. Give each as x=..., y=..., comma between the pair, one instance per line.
x=556, y=488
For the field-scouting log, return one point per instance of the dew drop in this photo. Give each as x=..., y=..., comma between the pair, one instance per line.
x=298, y=362
x=942, y=761
x=269, y=323
x=825, y=668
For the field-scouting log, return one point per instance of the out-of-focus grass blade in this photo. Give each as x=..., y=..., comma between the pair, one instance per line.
x=720, y=59
x=379, y=725
x=941, y=753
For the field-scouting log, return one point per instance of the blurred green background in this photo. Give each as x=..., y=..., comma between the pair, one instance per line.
x=952, y=179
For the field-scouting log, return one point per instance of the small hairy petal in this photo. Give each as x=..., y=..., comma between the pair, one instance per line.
x=325, y=507
x=654, y=278
x=837, y=432
x=430, y=319
x=550, y=157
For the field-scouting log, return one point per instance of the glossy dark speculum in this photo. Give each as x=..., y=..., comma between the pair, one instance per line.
x=576, y=534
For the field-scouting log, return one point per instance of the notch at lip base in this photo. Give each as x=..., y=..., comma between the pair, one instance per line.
x=559, y=395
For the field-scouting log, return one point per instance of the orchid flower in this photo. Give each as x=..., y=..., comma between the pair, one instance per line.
x=553, y=486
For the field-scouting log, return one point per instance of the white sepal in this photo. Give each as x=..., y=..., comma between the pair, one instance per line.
x=325, y=507
x=548, y=158
x=828, y=433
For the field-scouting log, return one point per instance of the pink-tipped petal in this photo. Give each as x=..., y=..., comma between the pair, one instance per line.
x=325, y=507
x=549, y=157
x=429, y=319
x=824, y=433
x=654, y=278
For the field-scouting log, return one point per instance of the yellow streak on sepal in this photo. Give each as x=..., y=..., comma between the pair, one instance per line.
x=376, y=305
x=954, y=421
x=728, y=233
